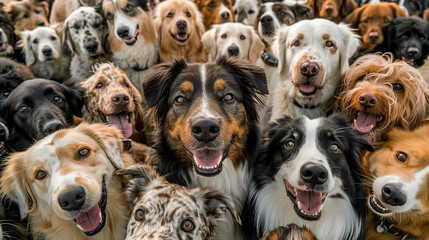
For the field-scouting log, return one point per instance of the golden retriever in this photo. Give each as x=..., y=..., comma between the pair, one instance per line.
x=179, y=26
x=65, y=184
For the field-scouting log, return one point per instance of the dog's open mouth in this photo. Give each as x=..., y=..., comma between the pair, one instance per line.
x=365, y=122
x=133, y=39
x=3, y=47
x=206, y=161
x=121, y=121
x=94, y=55
x=307, y=89
x=181, y=36
x=376, y=205
x=94, y=220
x=307, y=204
x=408, y=60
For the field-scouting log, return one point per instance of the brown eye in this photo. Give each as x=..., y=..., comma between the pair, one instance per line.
x=242, y=37
x=366, y=20
x=126, y=85
x=226, y=3
x=386, y=20
x=35, y=41
x=223, y=35
x=83, y=152
x=296, y=43
x=329, y=44
x=99, y=85
x=129, y=8
x=228, y=97
x=290, y=144
x=109, y=16
x=139, y=215
x=397, y=87
x=53, y=38
x=58, y=99
x=211, y=4
x=170, y=15
x=402, y=157
x=187, y=225
x=40, y=174
x=188, y=14
x=334, y=148
x=180, y=100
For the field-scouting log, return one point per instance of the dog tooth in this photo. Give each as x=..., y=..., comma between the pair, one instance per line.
x=296, y=191
x=299, y=205
x=320, y=209
x=101, y=216
x=78, y=226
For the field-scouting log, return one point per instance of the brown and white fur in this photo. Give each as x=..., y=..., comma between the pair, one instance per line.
x=61, y=9
x=215, y=11
x=27, y=14
x=43, y=53
x=163, y=210
x=68, y=177
x=132, y=39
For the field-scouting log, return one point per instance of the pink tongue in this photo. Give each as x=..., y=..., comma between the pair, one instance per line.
x=3, y=46
x=90, y=220
x=310, y=201
x=365, y=122
x=207, y=158
x=307, y=88
x=121, y=122
x=134, y=36
x=181, y=36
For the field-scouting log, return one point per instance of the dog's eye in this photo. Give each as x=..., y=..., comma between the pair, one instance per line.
x=41, y=174
x=180, y=100
x=35, y=41
x=386, y=20
x=139, y=214
x=283, y=13
x=23, y=108
x=97, y=24
x=109, y=16
x=397, y=87
x=170, y=15
x=37, y=11
x=228, y=97
x=25, y=16
x=251, y=11
x=334, y=148
x=58, y=99
x=129, y=8
x=5, y=94
x=296, y=43
x=211, y=4
x=329, y=44
x=99, y=85
x=187, y=225
x=223, y=35
x=83, y=152
x=242, y=37
x=402, y=157
x=53, y=38
x=126, y=85
x=290, y=144
x=366, y=20
x=226, y=3
x=188, y=14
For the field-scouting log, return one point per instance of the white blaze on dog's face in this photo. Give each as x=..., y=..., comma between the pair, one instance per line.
x=245, y=11
x=41, y=45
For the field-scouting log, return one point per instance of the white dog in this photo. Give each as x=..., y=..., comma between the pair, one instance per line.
x=313, y=54
x=245, y=11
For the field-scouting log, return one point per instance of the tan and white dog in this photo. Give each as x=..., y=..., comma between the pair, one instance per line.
x=313, y=54
x=65, y=184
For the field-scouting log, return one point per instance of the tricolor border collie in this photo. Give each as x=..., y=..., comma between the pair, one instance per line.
x=309, y=173
x=207, y=116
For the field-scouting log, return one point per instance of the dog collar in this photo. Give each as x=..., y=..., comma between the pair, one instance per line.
x=268, y=59
x=305, y=105
x=386, y=226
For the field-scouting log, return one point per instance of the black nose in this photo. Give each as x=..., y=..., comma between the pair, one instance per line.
x=368, y=100
x=182, y=24
x=233, y=51
x=266, y=19
x=373, y=37
x=225, y=16
x=329, y=9
x=123, y=32
x=314, y=173
x=412, y=51
x=40, y=23
x=205, y=130
x=309, y=69
x=47, y=52
x=91, y=46
x=73, y=199
x=52, y=126
x=392, y=195
x=120, y=99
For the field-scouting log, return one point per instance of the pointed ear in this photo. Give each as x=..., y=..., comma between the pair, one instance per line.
x=347, y=7
x=256, y=45
x=15, y=184
x=209, y=41
x=353, y=17
x=279, y=48
x=350, y=45
x=75, y=95
x=30, y=59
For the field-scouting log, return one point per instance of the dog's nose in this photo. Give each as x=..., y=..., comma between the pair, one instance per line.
x=266, y=19
x=123, y=32
x=120, y=99
x=392, y=195
x=368, y=100
x=314, y=173
x=73, y=199
x=309, y=69
x=47, y=51
x=182, y=24
x=373, y=37
x=91, y=46
x=225, y=15
x=205, y=130
x=233, y=51
x=40, y=23
x=329, y=9
x=412, y=51
x=52, y=126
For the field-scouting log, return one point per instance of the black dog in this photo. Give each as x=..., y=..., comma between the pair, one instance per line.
x=11, y=75
x=407, y=38
x=39, y=107
x=8, y=38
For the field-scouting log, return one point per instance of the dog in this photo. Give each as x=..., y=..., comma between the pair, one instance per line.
x=207, y=116
x=132, y=39
x=378, y=94
x=245, y=11
x=162, y=210
x=233, y=40
x=411, y=7
x=371, y=22
x=334, y=10
x=66, y=184
x=310, y=66
x=84, y=37
x=8, y=38
x=407, y=38
x=289, y=232
x=61, y=9
x=179, y=26
x=398, y=178
x=308, y=172
x=27, y=14
x=43, y=53
x=216, y=11
x=10, y=226
x=12, y=74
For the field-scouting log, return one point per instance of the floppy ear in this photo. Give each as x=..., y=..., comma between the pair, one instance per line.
x=350, y=45
x=312, y=4
x=353, y=17
x=67, y=43
x=347, y=7
x=302, y=12
x=397, y=11
x=75, y=95
x=279, y=48
x=30, y=59
x=209, y=41
x=139, y=113
x=15, y=185
x=256, y=45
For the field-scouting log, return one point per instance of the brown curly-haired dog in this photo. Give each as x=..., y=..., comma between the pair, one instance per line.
x=289, y=232
x=28, y=14
x=378, y=94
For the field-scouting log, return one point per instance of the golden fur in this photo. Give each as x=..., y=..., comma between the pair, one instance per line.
x=61, y=9
x=26, y=14
x=211, y=11
x=340, y=9
x=170, y=48
x=58, y=156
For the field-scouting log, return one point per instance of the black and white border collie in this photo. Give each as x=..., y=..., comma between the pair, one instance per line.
x=309, y=173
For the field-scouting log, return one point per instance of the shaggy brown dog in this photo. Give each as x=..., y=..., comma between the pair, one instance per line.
x=179, y=26
x=289, y=232
x=334, y=10
x=28, y=14
x=378, y=94
x=399, y=186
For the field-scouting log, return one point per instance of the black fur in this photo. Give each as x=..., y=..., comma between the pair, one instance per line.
x=8, y=29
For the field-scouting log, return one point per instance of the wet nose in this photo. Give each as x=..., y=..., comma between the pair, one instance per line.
x=392, y=195
x=329, y=9
x=47, y=52
x=309, y=69
x=225, y=15
x=182, y=24
x=120, y=99
x=412, y=51
x=73, y=199
x=123, y=32
x=52, y=126
x=266, y=19
x=205, y=130
x=233, y=51
x=368, y=100
x=91, y=46
x=373, y=37
x=314, y=173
